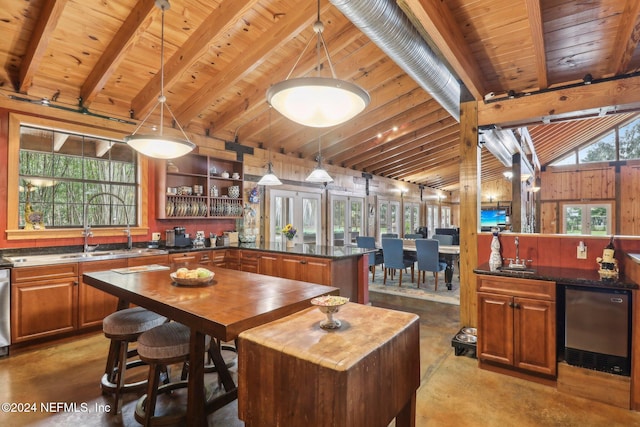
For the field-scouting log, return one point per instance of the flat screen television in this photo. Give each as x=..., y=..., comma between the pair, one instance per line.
x=493, y=217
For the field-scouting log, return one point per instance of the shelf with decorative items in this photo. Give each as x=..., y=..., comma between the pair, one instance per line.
x=197, y=186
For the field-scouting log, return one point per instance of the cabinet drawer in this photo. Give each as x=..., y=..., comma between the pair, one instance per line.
x=514, y=286
x=249, y=255
x=49, y=272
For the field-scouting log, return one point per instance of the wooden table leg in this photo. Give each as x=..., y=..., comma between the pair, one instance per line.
x=407, y=415
x=196, y=414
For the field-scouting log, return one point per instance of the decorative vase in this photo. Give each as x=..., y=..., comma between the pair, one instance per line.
x=290, y=243
x=495, y=260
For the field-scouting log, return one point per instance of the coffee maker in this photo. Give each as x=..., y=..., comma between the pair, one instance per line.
x=177, y=238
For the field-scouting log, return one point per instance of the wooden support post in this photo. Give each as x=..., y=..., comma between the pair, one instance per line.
x=469, y=210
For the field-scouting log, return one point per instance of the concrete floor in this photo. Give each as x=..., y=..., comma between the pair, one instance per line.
x=453, y=391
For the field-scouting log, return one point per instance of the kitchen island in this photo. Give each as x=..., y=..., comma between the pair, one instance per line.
x=345, y=267
x=232, y=303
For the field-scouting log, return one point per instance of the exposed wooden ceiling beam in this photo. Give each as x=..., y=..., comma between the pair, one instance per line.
x=136, y=23
x=437, y=21
x=287, y=27
x=47, y=22
x=367, y=141
x=566, y=103
x=217, y=23
x=537, y=38
x=627, y=38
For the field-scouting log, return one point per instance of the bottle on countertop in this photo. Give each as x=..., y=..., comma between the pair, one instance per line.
x=608, y=256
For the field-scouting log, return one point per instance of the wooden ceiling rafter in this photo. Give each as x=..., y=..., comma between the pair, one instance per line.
x=137, y=22
x=537, y=37
x=627, y=38
x=437, y=21
x=284, y=29
x=38, y=42
x=428, y=113
x=216, y=24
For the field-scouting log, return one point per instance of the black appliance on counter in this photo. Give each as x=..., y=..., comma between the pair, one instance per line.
x=597, y=329
x=424, y=231
x=177, y=238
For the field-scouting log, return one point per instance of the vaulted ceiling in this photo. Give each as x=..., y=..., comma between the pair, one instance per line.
x=103, y=57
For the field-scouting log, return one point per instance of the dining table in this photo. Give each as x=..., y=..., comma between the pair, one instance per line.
x=449, y=253
x=234, y=301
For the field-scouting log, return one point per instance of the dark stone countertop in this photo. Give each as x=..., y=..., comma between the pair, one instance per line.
x=563, y=276
x=333, y=252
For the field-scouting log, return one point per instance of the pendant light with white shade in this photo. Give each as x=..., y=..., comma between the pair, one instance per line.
x=269, y=178
x=319, y=174
x=318, y=101
x=160, y=146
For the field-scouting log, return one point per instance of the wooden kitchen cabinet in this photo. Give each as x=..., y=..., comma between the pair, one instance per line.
x=44, y=301
x=306, y=269
x=517, y=323
x=147, y=260
x=193, y=257
x=269, y=264
x=94, y=304
x=218, y=258
x=249, y=261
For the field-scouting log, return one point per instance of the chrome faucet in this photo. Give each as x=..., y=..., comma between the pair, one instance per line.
x=87, y=228
x=517, y=250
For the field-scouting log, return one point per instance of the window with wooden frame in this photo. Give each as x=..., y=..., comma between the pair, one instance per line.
x=62, y=174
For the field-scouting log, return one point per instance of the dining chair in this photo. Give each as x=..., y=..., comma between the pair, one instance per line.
x=375, y=258
x=429, y=259
x=443, y=239
x=389, y=236
x=394, y=258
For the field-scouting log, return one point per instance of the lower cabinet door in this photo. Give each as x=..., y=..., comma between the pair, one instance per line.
x=495, y=323
x=41, y=309
x=93, y=304
x=535, y=329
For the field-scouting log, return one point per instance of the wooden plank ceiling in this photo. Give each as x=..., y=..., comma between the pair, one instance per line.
x=222, y=55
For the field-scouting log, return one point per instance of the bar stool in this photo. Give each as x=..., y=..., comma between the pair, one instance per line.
x=159, y=347
x=122, y=328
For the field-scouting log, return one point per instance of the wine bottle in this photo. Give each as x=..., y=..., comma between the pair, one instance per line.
x=608, y=256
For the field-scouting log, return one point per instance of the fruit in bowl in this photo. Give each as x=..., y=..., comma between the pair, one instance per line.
x=197, y=276
x=329, y=305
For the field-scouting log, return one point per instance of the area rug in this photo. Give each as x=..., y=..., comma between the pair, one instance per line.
x=425, y=292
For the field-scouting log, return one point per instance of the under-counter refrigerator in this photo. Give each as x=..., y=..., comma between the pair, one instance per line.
x=597, y=329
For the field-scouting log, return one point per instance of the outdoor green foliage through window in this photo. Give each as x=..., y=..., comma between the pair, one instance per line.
x=59, y=172
x=604, y=148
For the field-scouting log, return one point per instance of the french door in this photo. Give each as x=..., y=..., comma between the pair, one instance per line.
x=587, y=218
x=298, y=208
x=347, y=219
x=390, y=217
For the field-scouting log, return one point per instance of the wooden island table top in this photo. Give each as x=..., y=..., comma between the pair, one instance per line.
x=292, y=372
x=233, y=302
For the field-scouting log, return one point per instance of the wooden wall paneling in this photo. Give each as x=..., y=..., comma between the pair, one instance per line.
x=549, y=217
x=597, y=183
x=629, y=204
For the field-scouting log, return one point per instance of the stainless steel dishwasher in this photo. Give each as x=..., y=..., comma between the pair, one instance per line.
x=5, y=311
x=598, y=329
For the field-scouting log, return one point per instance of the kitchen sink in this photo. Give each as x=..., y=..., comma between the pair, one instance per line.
x=35, y=260
x=516, y=270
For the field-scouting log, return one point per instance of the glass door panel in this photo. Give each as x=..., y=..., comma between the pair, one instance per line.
x=302, y=210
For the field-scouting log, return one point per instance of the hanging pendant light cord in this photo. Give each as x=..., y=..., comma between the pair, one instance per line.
x=161, y=98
